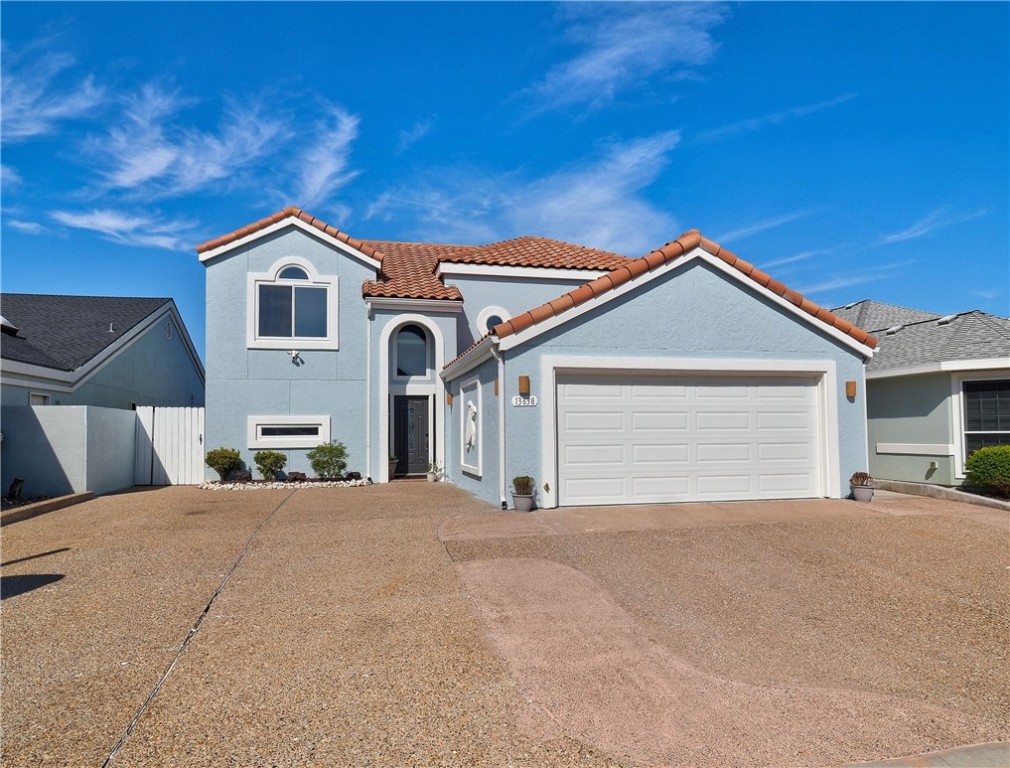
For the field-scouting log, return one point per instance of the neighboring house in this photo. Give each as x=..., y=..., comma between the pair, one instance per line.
x=938, y=388
x=94, y=350
x=683, y=375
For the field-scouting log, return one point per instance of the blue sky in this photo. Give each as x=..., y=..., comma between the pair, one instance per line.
x=852, y=150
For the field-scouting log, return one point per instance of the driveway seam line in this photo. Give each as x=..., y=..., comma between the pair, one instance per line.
x=191, y=634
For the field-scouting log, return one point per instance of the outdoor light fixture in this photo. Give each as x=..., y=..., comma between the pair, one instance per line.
x=850, y=389
x=524, y=386
x=448, y=398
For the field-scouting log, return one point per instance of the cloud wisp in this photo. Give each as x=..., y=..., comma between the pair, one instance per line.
x=596, y=202
x=144, y=230
x=760, y=226
x=409, y=137
x=940, y=218
x=622, y=45
x=35, y=99
x=323, y=166
x=862, y=277
x=753, y=124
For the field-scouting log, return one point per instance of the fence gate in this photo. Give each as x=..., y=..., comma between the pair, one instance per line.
x=169, y=446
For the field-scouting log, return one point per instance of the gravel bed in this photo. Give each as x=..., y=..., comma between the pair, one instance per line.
x=284, y=484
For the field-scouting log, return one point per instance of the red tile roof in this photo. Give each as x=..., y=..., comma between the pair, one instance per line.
x=634, y=268
x=536, y=252
x=408, y=272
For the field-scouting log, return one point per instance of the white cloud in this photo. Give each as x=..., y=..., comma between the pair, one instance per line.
x=35, y=101
x=28, y=227
x=802, y=256
x=773, y=118
x=938, y=219
x=623, y=44
x=323, y=166
x=595, y=203
x=146, y=231
x=150, y=154
x=760, y=226
x=9, y=177
x=860, y=277
x=416, y=132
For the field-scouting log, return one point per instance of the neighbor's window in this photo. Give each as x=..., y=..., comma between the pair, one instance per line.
x=291, y=305
x=986, y=414
x=411, y=351
x=36, y=398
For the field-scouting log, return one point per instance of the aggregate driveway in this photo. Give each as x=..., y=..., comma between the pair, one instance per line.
x=409, y=624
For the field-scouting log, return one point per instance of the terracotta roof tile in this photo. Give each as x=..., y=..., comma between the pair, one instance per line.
x=408, y=272
x=537, y=252
x=635, y=268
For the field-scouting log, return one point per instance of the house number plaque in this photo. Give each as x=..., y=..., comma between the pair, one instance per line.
x=524, y=402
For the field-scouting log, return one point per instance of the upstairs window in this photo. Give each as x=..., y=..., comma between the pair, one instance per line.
x=292, y=307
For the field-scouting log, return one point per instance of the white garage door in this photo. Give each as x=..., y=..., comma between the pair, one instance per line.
x=638, y=438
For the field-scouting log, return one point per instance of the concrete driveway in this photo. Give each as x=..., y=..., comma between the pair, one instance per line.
x=409, y=624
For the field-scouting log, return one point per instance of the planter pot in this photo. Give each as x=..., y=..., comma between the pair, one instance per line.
x=861, y=492
x=432, y=477
x=522, y=503
x=392, y=469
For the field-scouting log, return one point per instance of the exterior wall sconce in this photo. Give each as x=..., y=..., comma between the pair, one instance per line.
x=524, y=386
x=448, y=398
x=850, y=389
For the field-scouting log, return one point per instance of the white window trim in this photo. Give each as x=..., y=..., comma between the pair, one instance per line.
x=429, y=357
x=46, y=398
x=481, y=328
x=957, y=412
x=255, y=440
x=471, y=390
x=329, y=282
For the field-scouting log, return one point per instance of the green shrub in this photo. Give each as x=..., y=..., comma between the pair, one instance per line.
x=523, y=485
x=328, y=460
x=989, y=469
x=224, y=461
x=269, y=463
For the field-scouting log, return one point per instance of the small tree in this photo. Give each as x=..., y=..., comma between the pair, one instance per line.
x=224, y=461
x=989, y=469
x=269, y=463
x=328, y=460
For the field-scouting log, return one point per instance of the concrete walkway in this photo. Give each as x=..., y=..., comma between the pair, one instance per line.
x=410, y=624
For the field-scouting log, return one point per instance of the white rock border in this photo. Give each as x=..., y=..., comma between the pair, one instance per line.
x=219, y=486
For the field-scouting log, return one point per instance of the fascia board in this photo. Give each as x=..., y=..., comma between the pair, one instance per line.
x=695, y=254
x=450, y=268
x=340, y=245
x=950, y=366
x=482, y=352
x=413, y=305
x=187, y=341
x=20, y=374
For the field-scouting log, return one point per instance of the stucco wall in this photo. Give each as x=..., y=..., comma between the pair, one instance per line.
x=67, y=449
x=487, y=484
x=910, y=410
x=694, y=311
x=265, y=382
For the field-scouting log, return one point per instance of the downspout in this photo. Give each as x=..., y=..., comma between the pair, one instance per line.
x=368, y=391
x=502, y=487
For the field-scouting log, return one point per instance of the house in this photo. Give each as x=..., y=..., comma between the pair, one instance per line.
x=686, y=374
x=937, y=389
x=113, y=352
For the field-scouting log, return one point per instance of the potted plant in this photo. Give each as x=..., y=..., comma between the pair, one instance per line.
x=522, y=493
x=861, y=485
x=392, y=466
x=435, y=472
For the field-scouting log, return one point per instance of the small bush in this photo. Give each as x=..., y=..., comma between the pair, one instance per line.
x=270, y=463
x=328, y=460
x=224, y=461
x=523, y=485
x=861, y=480
x=989, y=469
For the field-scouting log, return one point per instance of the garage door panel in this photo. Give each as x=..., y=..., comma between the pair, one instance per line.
x=646, y=438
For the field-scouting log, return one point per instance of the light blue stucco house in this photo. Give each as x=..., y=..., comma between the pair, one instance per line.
x=938, y=388
x=683, y=375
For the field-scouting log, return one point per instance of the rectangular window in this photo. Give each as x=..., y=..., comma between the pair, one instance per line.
x=292, y=312
x=288, y=431
x=37, y=398
x=986, y=414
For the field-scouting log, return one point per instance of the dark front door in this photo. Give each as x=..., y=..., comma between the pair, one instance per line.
x=410, y=434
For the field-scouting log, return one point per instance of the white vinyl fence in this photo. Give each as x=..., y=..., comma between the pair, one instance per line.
x=169, y=446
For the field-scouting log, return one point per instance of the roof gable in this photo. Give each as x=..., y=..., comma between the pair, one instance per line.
x=66, y=332
x=689, y=245
x=930, y=343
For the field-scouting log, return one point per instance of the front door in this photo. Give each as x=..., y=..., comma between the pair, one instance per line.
x=410, y=434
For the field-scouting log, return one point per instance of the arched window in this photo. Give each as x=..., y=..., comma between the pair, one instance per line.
x=412, y=351
x=291, y=303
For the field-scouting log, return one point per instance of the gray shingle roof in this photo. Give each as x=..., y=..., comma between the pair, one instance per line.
x=967, y=336
x=874, y=316
x=65, y=332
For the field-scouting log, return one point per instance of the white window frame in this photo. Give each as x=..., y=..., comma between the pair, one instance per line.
x=429, y=355
x=43, y=396
x=256, y=439
x=471, y=390
x=481, y=328
x=315, y=280
x=957, y=403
